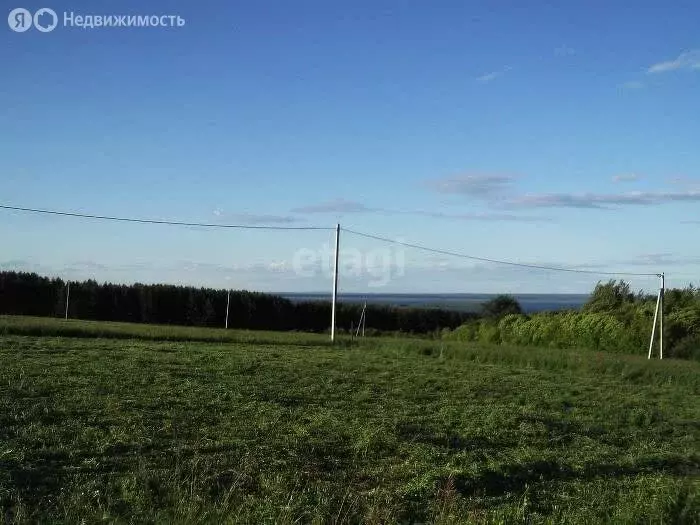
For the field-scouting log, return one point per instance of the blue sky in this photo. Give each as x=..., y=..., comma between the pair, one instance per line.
x=551, y=134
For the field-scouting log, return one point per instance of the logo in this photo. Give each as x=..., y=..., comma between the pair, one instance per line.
x=20, y=20
x=45, y=20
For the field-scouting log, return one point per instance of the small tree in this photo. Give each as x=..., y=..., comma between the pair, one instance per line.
x=500, y=306
x=609, y=297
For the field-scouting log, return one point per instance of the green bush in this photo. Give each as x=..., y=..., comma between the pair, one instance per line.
x=508, y=327
x=465, y=333
x=488, y=332
x=625, y=330
x=687, y=348
x=609, y=297
x=500, y=306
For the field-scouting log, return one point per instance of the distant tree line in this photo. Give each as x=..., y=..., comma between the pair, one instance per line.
x=30, y=294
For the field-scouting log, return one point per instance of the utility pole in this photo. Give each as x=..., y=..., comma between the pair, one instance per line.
x=364, y=318
x=335, y=280
x=228, y=302
x=661, y=322
x=659, y=314
x=67, y=297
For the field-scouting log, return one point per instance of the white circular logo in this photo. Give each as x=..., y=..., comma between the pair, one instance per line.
x=45, y=20
x=20, y=20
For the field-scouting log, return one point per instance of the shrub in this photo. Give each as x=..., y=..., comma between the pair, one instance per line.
x=609, y=297
x=488, y=332
x=465, y=333
x=613, y=320
x=500, y=306
x=687, y=348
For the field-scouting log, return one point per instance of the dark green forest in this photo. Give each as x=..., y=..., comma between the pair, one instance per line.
x=30, y=294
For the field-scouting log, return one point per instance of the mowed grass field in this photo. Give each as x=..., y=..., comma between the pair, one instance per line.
x=247, y=427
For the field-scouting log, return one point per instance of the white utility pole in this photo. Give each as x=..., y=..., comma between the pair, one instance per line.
x=361, y=324
x=67, y=297
x=653, y=327
x=661, y=321
x=228, y=302
x=364, y=318
x=659, y=314
x=335, y=280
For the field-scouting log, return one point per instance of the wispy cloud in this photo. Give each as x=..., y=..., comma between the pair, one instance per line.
x=601, y=201
x=480, y=216
x=81, y=269
x=475, y=185
x=343, y=206
x=87, y=266
x=334, y=206
x=656, y=260
x=689, y=60
x=685, y=181
x=493, y=75
x=662, y=259
x=21, y=265
x=632, y=84
x=626, y=177
x=251, y=218
x=499, y=192
x=564, y=51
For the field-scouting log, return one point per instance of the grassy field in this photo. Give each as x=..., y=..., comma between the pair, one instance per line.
x=283, y=428
x=51, y=326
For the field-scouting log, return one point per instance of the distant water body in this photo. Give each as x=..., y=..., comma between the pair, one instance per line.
x=463, y=302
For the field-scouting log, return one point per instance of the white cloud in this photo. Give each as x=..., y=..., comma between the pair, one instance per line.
x=626, y=177
x=334, y=206
x=493, y=75
x=689, y=60
x=599, y=201
x=686, y=182
x=478, y=216
x=632, y=84
x=251, y=218
x=564, y=51
x=278, y=266
x=488, y=77
x=475, y=185
x=483, y=186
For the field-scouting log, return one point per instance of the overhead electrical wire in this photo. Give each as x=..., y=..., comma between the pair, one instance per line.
x=154, y=221
x=322, y=228
x=493, y=261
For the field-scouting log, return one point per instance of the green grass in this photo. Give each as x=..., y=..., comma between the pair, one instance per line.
x=284, y=428
x=51, y=326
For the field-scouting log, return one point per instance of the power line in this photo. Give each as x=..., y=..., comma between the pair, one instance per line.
x=495, y=261
x=153, y=221
x=352, y=232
